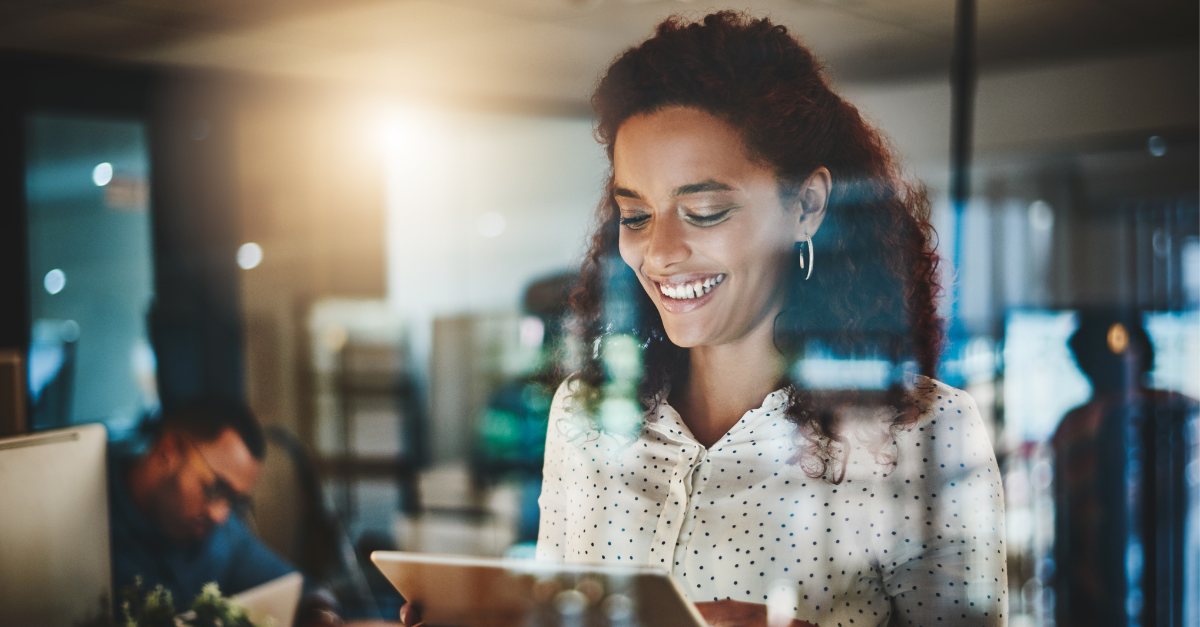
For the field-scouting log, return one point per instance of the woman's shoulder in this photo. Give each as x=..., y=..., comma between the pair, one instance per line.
x=568, y=401
x=571, y=419
x=939, y=404
x=566, y=423
x=565, y=402
x=567, y=388
x=949, y=434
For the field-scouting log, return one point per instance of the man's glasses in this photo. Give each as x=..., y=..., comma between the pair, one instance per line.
x=217, y=488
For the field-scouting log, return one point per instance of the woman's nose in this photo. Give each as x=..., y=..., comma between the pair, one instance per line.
x=666, y=243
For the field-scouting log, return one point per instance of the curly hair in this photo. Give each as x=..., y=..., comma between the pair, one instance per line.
x=875, y=281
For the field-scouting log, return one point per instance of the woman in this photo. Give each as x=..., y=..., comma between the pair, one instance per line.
x=760, y=221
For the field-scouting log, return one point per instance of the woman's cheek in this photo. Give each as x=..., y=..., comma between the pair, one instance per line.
x=631, y=254
x=630, y=251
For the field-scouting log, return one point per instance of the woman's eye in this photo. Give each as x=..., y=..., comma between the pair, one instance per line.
x=635, y=222
x=708, y=220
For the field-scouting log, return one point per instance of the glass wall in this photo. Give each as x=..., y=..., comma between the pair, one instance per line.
x=404, y=268
x=91, y=271
x=1080, y=270
x=1075, y=258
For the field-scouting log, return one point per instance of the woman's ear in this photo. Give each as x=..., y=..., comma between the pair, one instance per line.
x=813, y=199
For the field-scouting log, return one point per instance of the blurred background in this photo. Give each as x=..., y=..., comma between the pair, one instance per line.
x=364, y=217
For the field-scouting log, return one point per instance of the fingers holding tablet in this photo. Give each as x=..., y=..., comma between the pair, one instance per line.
x=410, y=615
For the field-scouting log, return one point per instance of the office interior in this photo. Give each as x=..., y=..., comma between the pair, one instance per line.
x=363, y=218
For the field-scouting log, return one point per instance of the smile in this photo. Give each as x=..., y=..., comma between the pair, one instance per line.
x=691, y=290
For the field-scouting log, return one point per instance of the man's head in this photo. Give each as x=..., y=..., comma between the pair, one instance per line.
x=1112, y=349
x=202, y=464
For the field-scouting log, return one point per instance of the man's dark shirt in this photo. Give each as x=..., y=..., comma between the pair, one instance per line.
x=230, y=554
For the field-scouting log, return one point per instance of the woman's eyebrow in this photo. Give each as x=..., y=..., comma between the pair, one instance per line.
x=703, y=186
x=683, y=190
x=626, y=193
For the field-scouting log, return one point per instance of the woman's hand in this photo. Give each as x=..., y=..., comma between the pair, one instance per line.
x=410, y=615
x=730, y=613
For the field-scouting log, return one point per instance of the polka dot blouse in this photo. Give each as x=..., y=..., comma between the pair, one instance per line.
x=921, y=537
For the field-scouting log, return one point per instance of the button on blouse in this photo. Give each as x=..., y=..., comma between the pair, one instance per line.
x=914, y=528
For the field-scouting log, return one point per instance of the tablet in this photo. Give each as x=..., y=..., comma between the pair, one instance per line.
x=275, y=600
x=454, y=591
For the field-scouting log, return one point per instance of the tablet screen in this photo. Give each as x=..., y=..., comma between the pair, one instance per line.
x=474, y=592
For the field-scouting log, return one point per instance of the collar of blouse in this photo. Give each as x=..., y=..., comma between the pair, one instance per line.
x=766, y=421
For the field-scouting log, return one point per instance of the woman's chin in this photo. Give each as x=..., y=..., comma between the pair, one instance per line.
x=686, y=335
x=690, y=325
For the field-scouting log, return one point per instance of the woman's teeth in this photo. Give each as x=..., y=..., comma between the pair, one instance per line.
x=691, y=290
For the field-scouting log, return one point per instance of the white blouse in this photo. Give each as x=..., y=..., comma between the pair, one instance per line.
x=923, y=537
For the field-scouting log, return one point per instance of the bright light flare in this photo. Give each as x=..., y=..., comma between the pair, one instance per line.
x=1041, y=215
x=412, y=140
x=249, y=255
x=102, y=174
x=532, y=332
x=781, y=602
x=55, y=281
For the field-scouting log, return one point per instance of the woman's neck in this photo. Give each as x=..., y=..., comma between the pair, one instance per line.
x=726, y=381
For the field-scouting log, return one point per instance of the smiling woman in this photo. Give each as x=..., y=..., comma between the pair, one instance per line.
x=765, y=221
x=695, y=209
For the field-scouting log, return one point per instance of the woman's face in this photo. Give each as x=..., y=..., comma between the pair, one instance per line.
x=702, y=225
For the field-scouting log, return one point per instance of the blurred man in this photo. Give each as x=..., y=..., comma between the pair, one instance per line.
x=1119, y=463
x=173, y=510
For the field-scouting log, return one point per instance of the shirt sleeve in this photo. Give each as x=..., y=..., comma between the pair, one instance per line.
x=552, y=504
x=941, y=554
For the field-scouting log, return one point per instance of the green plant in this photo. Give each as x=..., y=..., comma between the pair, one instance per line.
x=213, y=610
x=156, y=608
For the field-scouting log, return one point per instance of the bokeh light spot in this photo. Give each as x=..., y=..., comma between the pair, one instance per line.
x=55, y=281
x=1118, y=338
x=249, y=255
x=1157, y=146
x=102, y=174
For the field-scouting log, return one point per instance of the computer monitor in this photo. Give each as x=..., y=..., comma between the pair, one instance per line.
x=55, y=564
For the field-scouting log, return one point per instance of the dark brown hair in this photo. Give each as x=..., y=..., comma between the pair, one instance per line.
x=206, y=419
x=873, y=287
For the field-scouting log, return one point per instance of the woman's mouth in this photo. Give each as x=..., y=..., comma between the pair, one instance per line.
x=692, y=289
x=685, y=296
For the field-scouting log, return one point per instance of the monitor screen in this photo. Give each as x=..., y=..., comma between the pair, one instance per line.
x=54, y=544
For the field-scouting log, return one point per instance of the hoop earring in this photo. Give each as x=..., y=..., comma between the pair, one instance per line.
x=808, y=241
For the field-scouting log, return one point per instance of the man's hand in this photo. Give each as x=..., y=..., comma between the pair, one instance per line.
x=730, y=613
x=316, y=610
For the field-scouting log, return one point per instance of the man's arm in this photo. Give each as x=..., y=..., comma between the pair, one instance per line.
x=251, y=562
